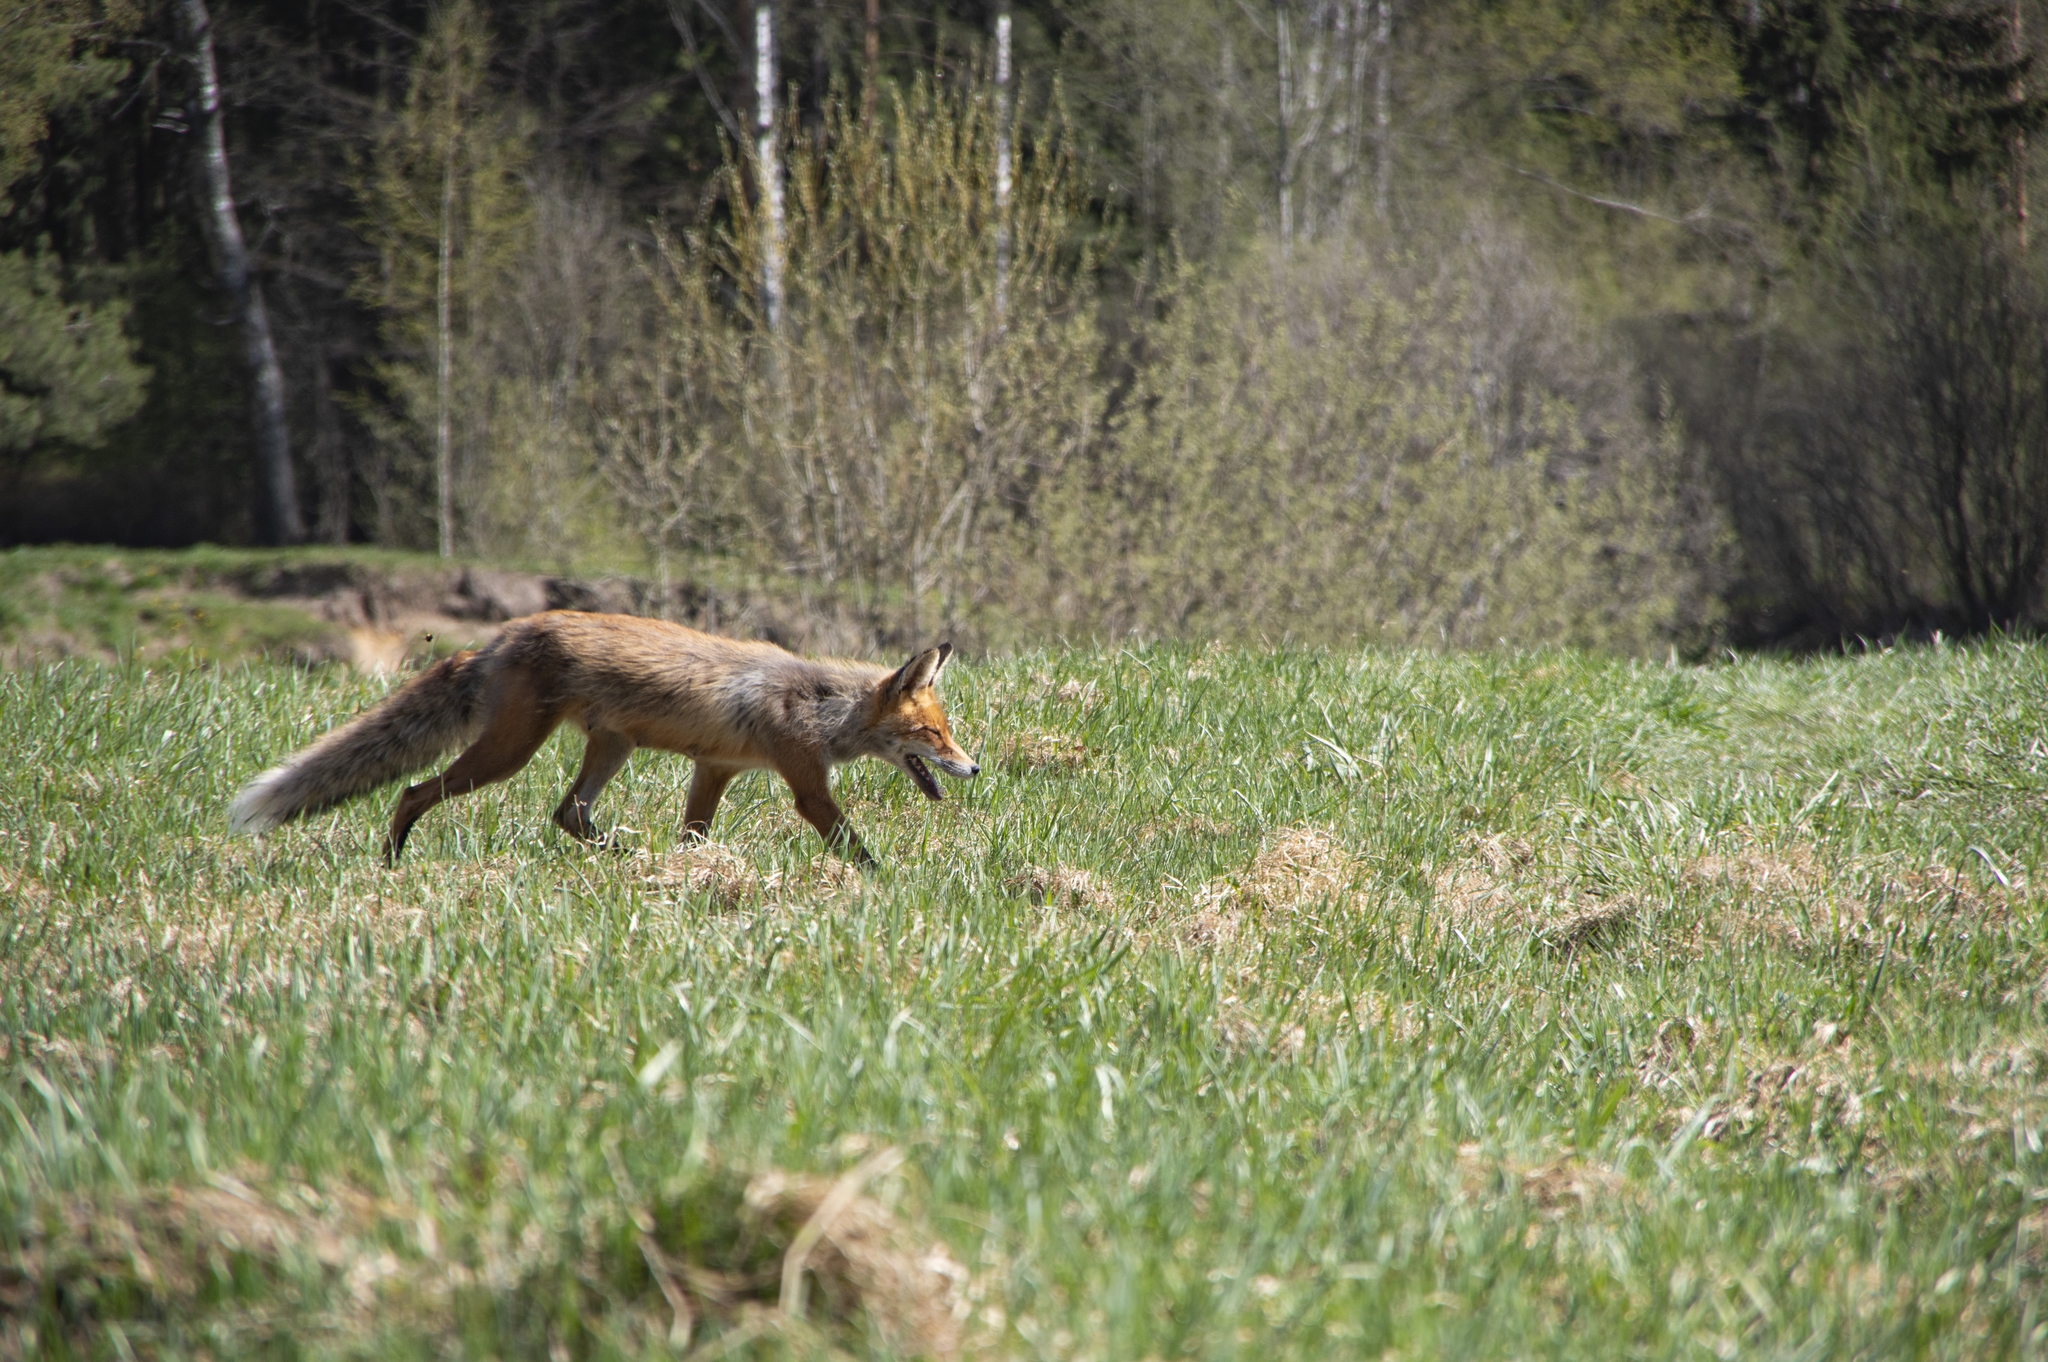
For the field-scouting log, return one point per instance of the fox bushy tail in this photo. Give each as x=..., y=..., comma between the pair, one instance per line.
x=426, y=718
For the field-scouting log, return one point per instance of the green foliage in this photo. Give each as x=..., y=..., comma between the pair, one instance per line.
x=66, y=370
x=1326, y=448
x=1277, y=1004
x=1696, y=184
x=1613, y=91
x=45, y=60
x=448, y=218
x=1850, y=105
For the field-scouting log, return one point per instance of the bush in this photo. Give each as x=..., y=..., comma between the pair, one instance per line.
x=1340, y=446
x=1883, y=448
x=882, y=437
x=1333, y=447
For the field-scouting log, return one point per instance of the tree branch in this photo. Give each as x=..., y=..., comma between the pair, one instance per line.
x=681, y=21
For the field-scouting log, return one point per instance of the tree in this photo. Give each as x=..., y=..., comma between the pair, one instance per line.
x=67, y=372
x=445, y=208
x=1837, y=91
x=277, y=498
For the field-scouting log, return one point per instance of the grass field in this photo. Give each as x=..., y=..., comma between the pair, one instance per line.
x=1249, y=1005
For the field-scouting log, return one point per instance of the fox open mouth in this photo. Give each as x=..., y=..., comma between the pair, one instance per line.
x=921, y=776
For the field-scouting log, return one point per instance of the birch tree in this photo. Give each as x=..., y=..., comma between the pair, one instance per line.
x=277, y=498
x=447, y=212
x=767, y=162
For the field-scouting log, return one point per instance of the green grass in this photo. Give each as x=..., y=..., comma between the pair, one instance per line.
x=165, y=605
x=1249, y=1005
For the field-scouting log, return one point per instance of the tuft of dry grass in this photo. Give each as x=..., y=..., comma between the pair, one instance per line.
x=1296, y=868
x=1560, y=1187
x=1075, y=691
x=710, y=870
x=1062, y=887
x=1245, y=1034
x=180, y=1252
x=1058, y=753
x=1502, y=883
x=1600, y=920
x=863, y=1257
x=176, y=1247
x=715, y=871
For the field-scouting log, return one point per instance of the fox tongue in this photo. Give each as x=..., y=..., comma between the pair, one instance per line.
x=921, y=776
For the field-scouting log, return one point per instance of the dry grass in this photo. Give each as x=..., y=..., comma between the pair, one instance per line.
x=864, y=1258
x=1791, y=894
x=1084, y=694
x=729, y=880
x=1296, y=869
x=174, y=1247
x=1598, y=921
x=1062, y=887
x=1560, y=1187
x=1057, y=753
x=1243, y=1033
x=1298, y=866
x=360, y=1258
x=1503, y=883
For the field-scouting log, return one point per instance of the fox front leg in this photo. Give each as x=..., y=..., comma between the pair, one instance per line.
x=707, y=786
x=814, y=802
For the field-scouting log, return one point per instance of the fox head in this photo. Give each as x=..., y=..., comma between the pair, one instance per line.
x=909, y=724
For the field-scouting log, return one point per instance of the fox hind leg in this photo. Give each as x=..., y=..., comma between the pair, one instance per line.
x=707, y=784
x=516, y=730
x=603, y=755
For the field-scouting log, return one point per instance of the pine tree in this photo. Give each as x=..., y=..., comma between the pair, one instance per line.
x=1934, y=94
x=67, y=371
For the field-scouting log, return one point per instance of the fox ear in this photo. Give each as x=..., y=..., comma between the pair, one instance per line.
x=921, y=671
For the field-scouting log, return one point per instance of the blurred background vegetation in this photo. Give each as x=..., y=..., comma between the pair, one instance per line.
x=1637, y=324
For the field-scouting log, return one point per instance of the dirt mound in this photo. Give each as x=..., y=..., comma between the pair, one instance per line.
x=730, y=880
x=378, y=612
x=1062, y=886
x=823, y=1262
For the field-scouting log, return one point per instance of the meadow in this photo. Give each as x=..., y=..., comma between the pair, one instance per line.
x=1262, y=1004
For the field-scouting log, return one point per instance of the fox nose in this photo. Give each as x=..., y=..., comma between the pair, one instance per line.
x=974, y=768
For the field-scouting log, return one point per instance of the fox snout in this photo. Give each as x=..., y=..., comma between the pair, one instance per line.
x=921, y=775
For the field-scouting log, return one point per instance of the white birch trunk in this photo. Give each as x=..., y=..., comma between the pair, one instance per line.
x=769, y=160
x=1285, y=39
x=1383, y=164
x=277, y=498
x=444, y=340
x=1002, y=166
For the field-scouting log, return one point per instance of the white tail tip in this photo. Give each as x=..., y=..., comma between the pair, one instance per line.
x=263, y=803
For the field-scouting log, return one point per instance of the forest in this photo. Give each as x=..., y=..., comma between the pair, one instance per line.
x=1649, y=326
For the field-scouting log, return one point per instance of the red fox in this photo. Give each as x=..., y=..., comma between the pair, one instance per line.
x=626, y=682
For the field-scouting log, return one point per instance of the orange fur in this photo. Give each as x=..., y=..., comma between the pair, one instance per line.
x=627, y=683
